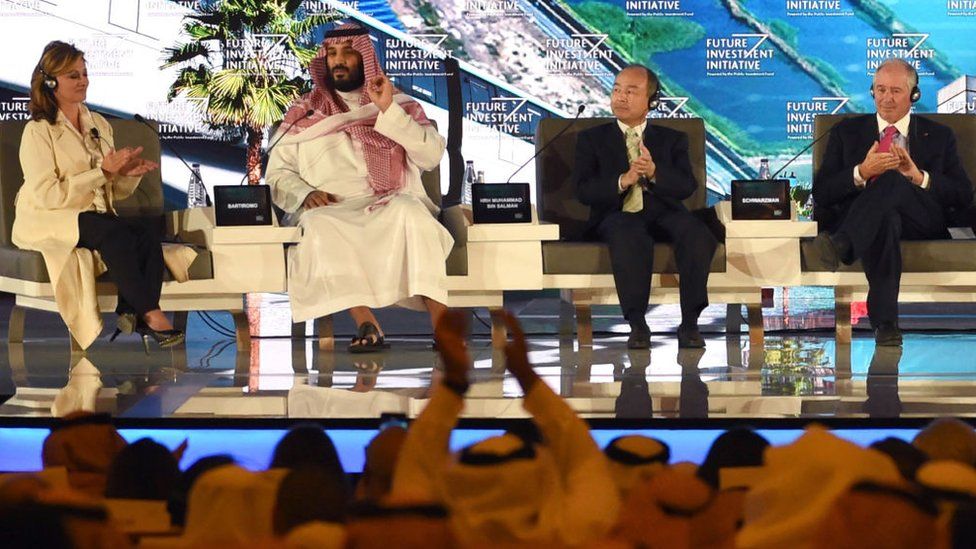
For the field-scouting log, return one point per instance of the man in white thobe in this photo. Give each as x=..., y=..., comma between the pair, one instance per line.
x=348, y=172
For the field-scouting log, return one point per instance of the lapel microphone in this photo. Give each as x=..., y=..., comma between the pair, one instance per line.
x=93, y=132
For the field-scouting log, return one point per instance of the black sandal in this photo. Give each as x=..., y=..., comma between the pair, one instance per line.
x=369, y=340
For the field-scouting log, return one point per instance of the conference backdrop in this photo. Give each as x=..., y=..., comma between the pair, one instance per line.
x=217, y=74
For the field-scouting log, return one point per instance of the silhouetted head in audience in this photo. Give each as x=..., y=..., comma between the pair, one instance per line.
x=907, y=457
x=658, y=512
x=309, y=494
x=740, y=447
x=306, y=446
x=381, y=459
x=85, y=444
x=948, y=438
x=181, y=494
x=635, y=458
x=144, y=469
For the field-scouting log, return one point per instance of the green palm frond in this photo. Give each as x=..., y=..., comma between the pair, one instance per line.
x=184, y=52
x=230, y=111
x=192, y=81
x=201, y=32
x=259, y=94
x=229, y=82
x=269, y=105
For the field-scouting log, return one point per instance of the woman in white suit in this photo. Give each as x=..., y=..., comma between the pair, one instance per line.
x=65, y=209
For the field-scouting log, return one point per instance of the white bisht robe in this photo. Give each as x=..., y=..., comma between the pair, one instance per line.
x=363, y=250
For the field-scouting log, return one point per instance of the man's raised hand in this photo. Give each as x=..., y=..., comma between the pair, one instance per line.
x=381, y=91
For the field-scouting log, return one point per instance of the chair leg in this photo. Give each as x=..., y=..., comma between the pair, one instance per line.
x=18, y=366
x=584, y=325
x=325, y=329
x=499, y=331
x=242, y=328
x=842, y=315
x=757, y=333
x=180, y=320
x=567, y=320
x=15, y=328
x=733, y=318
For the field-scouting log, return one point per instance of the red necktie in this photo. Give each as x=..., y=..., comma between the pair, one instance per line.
x=884, y=145
x=886, y=140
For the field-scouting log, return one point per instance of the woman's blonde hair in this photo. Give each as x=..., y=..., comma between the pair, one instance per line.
x=57, y=59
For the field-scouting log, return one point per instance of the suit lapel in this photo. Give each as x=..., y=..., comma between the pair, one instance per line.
x=648, y=135
x=618, y=146
x=918, y=142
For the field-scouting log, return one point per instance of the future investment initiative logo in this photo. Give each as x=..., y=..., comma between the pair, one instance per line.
x=580, y=54
x=909, y=46
x=740, y=54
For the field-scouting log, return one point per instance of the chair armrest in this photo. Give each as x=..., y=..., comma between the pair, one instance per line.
x=456, y=222
x=193, y=226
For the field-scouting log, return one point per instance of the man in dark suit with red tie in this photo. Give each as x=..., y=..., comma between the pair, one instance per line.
x=885, y=178
x=633, y=176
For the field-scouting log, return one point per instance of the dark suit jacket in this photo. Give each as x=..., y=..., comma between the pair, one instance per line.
x=601, y=157
x=932, y=147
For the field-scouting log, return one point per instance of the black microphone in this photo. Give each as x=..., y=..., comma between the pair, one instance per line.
x=805, y=149
x=138, y=118
x=266, y=154
x=579, y=111
x=93, y=132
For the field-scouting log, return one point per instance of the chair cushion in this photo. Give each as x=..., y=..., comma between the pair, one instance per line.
x=29, y=265
x=594, y=258
x=22, y=264
x=919, y=256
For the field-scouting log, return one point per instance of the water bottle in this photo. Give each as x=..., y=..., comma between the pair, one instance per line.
x=470, y=178
x=196, y=193
x=764, y=172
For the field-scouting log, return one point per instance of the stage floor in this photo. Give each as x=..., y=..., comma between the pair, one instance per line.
x=796, y=374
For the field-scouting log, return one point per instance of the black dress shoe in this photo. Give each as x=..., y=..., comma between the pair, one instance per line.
x=887, y=334
x=640, y=338
x=690, y=338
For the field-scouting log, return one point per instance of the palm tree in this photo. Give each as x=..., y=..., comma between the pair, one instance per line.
x=248, y=60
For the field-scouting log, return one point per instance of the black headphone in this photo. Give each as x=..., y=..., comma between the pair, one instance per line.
x=49, y=81
x=654, y=101
x=916, y=93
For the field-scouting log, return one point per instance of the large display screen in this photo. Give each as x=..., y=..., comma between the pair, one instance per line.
x=756, y=71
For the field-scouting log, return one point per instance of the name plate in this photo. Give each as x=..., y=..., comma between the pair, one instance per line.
x=761, y=199
x=237, y=205
x=501, y=203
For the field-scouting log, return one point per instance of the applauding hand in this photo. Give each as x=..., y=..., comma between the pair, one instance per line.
x=126, y=162
x=876, y=163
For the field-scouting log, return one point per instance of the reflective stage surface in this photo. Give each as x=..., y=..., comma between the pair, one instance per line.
x=796, y=374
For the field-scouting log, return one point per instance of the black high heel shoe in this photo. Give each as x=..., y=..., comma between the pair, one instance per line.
x=163, y=338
